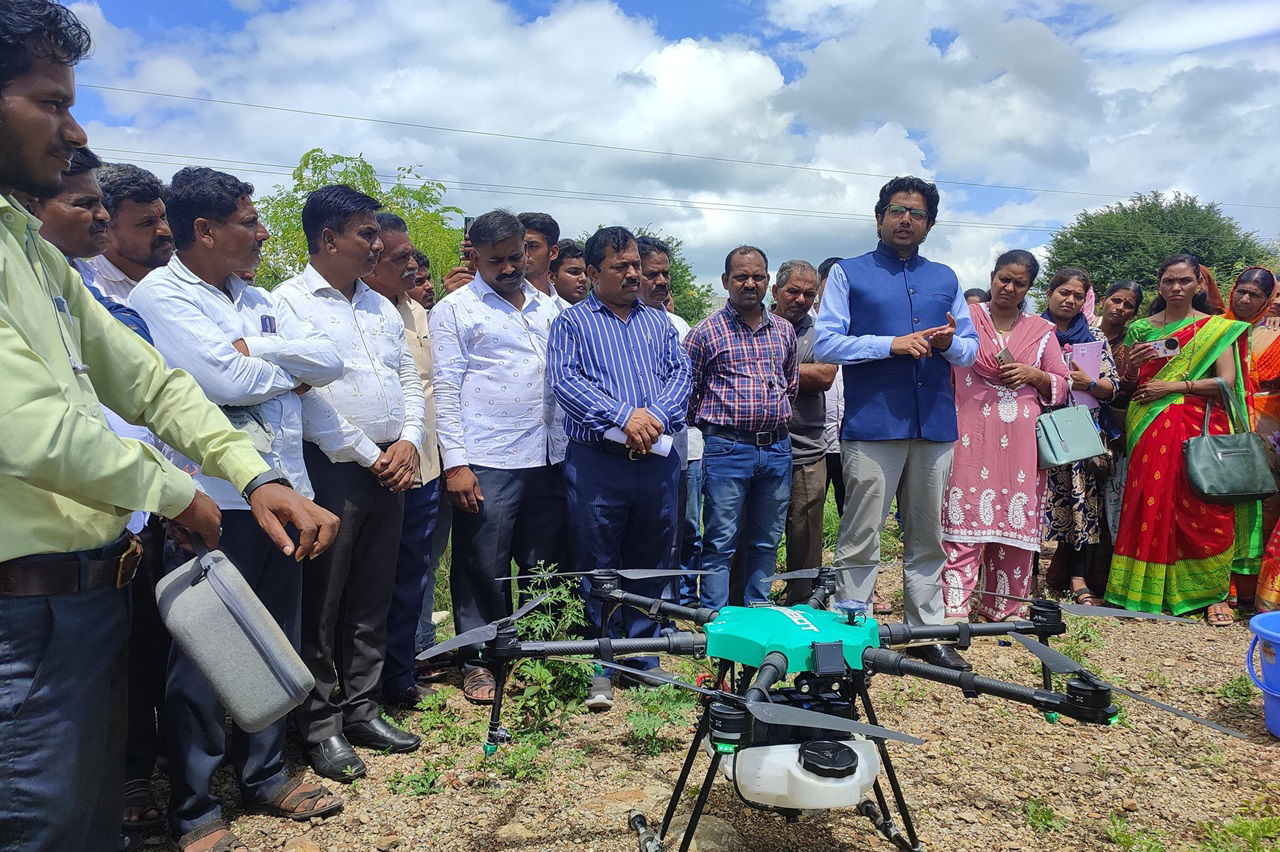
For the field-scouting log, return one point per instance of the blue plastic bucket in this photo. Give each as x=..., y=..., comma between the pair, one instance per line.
x=1266, y=632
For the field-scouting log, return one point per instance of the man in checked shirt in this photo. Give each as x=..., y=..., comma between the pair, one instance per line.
x=745, y=378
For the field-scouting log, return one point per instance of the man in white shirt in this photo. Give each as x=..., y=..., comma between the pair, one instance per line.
x=394, y=279
x=138, y=235
x=541, y=246
x=568, y=271
x=363, y=436
x=655, y=291
x=254, y=360
x=496, y=421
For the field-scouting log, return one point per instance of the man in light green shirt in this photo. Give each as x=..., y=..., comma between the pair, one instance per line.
x=68, y=484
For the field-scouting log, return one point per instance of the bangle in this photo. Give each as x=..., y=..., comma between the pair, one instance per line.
x=1188, y=384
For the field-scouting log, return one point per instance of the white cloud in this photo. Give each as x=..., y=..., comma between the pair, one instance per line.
x=1174, y=28
x=1018, y=97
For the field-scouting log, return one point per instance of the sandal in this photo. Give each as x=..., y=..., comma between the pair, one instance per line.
x=300, y=800
x=880, y=606
x=141, y=799
x=479, y=687
x=228, y=842
x=1220, y=615
x=1084, y=597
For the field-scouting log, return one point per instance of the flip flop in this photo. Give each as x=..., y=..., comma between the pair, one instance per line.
x=476, y=683
x=1219, y=615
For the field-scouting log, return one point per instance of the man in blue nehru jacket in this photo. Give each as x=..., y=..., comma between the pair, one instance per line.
x=897, y=322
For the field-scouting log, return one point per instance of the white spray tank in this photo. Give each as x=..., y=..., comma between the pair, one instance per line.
x=813, y=775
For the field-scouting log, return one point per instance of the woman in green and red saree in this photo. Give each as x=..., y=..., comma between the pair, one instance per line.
x=1173, y=550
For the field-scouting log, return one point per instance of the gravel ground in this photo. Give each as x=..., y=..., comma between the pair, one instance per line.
x=991, y=775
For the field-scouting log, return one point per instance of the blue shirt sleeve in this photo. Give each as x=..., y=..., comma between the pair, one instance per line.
x=123, y=313
x=832, y=343
x=672, y=404
x=963, y=350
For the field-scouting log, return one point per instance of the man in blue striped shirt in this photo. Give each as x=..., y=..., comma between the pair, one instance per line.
x=615, y=363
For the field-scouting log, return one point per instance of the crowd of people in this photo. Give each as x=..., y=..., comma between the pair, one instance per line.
x=549, y=408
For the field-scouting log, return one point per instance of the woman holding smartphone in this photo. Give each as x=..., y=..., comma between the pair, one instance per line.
x=992, y=514
x=1174, y=551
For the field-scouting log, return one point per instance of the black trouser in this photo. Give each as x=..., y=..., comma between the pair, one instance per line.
x=521, y=519
x=195, y=720
x=346, y=594
x=835, y=479
x=149, y=643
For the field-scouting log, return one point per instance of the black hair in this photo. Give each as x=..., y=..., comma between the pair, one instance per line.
x=569, y=249
x=391, y=222
x=38, y=29
x=613, y=237
x=1129, y=287
x=422, y=260
x=127, y=182
x=652, y=245
x=1264, y=278
x=728, y=258
x=196, y=192
x=494, y=227
x=789, y=268
x=977, y=293
x=82, y=160
x=824, y=268
x=1065, y=274
x=1199, y=302
x=910, y=183
x=541, y=223
x=332, y=207
x=1019, y=257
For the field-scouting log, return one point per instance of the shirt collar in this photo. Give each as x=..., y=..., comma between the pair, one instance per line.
x=531, y=293
x=108, y=271
x=184, y=274
x=888, y=252
x=596, y=304
x=316, y=282
x=16, y=217
x=732, y=312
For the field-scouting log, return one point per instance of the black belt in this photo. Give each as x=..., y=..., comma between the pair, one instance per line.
x=70, y=573
x=613, y=448
x=759, y=439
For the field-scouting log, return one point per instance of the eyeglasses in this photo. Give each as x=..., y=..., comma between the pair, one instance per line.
x=897, y=211
x=743, y=278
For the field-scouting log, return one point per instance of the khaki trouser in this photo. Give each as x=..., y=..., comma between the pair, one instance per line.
x=916, y=472
x=804, y=524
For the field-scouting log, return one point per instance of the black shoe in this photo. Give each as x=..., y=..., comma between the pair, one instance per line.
x=941, y=655
x=409, y=698
x=380, y=735
x=336, y=760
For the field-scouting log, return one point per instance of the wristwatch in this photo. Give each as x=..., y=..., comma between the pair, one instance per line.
x=262, y=479
x=1091, y=387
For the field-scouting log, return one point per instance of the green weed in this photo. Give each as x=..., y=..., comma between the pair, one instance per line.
x=422, y=783
x=551, y=689
x=521, y=761
x=1041, y=818
x=1238, y=693
x=1132, y=840
x=657, y=708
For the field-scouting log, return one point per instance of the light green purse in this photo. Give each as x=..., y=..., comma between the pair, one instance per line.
x=1068, y=434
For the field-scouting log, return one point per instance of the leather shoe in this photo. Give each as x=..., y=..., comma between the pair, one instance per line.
x=409, y=698
x=381, y=735
x=336, y=760
x=941, y=655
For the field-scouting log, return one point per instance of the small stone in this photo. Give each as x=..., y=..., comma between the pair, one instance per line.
x=390, y=841
x=713, y=835
x=514, y=832
x=301, y=843
x=1023, y=794
x=1130, y=805
x=966, y=816
x=363, y=819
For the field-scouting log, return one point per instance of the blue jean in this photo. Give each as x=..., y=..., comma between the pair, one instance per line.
x=62, y=719
x=439, y=541
x=415, y=584
x=747, y=490
x=619, y=516
x=689, y=543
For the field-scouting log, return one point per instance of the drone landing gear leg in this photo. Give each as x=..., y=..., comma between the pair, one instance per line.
x=885, y=824
x=700, y=802
x=498, y=735
x=704, y=722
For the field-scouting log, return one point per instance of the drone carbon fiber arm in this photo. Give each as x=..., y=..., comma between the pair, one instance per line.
x=700, y=615
x=904, y=634
x=683, y=644
x=1086, y=701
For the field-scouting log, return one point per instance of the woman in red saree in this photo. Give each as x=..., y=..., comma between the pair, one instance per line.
x=1174, y=551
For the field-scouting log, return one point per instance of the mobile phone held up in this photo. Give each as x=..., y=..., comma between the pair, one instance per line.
x=464, y=258
x=1166, y=348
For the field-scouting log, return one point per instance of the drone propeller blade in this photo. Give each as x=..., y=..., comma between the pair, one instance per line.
x=782, y=714
x=548, y=576
x=1058, y=662
x=648, y=573
x=1160, y=705
x=527, y=608
x=1083, y=609
x=475, y=636
x=655, y=676
x=801, y=574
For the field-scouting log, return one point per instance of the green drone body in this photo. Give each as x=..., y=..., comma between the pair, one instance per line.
x=746, y=634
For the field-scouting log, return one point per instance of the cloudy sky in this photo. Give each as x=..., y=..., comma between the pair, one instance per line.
x=772, y=122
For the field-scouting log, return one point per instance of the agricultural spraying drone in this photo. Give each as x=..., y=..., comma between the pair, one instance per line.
x=815, y=744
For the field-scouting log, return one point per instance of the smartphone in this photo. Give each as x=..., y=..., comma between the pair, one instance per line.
x=1004, y=357
x=463, y=258
x=1166, y=348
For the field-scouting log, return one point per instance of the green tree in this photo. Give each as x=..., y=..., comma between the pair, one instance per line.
x=1128, y=240
x=693, y=303
x=419, y=202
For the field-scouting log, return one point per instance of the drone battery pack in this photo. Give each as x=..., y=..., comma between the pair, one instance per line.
x=219, y=623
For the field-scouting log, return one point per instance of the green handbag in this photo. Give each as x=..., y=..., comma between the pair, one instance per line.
x=1067, y=435
x=1229, y=468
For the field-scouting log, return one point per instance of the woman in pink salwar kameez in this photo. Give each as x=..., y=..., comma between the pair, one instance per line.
x=993, y=507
